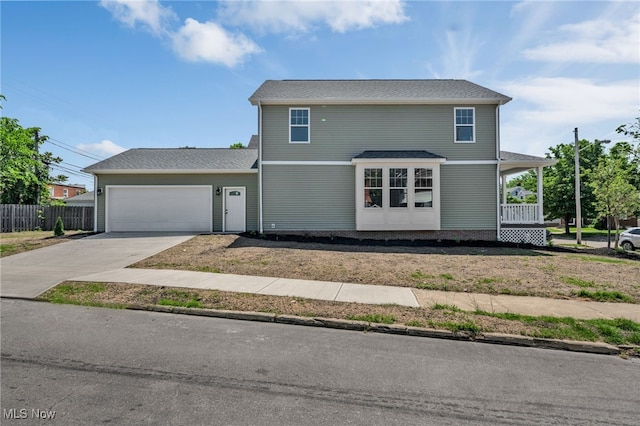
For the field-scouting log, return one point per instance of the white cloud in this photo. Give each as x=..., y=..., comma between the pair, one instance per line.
x=460, y=50
x=149, y=13
x=303, y=15
x=106, y=147
x=196, y=41
x=544, y=111
x=595, y=41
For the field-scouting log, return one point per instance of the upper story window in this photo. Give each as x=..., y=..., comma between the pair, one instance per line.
x=465, y=129
x=299, y=125
x=65, y=193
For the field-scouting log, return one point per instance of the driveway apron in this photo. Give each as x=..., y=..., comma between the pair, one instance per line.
x=31, y=273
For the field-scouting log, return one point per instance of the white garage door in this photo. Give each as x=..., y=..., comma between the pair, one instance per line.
x=158, y=208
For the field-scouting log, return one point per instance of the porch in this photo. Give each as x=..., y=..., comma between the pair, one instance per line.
x=522, y=223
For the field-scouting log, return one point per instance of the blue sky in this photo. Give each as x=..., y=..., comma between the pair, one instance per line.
x=101, y=77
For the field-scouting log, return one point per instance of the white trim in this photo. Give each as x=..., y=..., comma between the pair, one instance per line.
x=108, y=187
x=469, y=162
x=260, y=227
x=423, y=101
x=308, y=125
x=172, y=171
x=224, y=206
x=398, y=160
x=307, y=163
x=504, y=184
x=455, y=125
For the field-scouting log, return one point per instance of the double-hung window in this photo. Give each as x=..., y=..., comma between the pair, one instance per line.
x=423, y=187
x=398, y=187
x=299, y=125
x=373, y=188
x=464, y=129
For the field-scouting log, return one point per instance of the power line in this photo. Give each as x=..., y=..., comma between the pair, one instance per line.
x=75, y=151
x=78, y=149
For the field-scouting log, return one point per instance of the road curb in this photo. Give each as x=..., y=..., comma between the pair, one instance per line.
x=491, y=338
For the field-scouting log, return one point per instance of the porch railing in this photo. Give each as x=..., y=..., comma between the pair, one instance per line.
x=520, y=213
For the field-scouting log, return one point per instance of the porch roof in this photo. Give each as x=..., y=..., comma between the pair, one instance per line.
x=513, y=162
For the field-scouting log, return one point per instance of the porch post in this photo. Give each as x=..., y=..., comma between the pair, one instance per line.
x=540, y=196
x=504, y=189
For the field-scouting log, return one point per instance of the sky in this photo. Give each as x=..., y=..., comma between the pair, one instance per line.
x=100, y=77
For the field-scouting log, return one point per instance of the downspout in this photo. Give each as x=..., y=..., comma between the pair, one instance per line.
x=260, y=226
x=95, y=203
x=498, y=170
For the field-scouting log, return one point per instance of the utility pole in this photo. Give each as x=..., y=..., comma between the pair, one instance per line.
x=578, y=206
x=36, y=148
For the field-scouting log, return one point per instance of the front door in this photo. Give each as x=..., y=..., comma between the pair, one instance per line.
x=234, y=209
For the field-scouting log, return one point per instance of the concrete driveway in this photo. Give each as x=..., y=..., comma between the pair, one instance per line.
x=31, y=273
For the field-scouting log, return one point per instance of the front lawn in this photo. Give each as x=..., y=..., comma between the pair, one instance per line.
x=18, y=242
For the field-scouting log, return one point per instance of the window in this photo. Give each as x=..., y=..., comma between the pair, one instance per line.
x=372, y=188
x=423, y=187
x=465, y=131
x=398, y=187
x=299, y=125
x=65, y=193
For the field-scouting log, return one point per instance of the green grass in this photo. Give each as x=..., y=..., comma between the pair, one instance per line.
x=419, y=275
x=446, y=276
x=614, y=331
x=585, y=231
x=587, y=258
x=488, y=280
x=377, y=318
x=208, y=269
x=415, y=323
x=8, y=248
x=446, y=307
x=185, y=304
x=467, y=325
x=578, y=282
x=605, y=296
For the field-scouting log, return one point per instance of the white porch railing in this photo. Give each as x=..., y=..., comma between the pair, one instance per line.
x=520, y=213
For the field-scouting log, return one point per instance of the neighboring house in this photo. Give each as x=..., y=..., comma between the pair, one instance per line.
x=60, y=191
x=519, y=192
x=83, y=200
x=416, y=159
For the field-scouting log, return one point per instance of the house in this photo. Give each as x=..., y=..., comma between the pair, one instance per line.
x=519, y=193
x=417, y=159
x=61, y=191
x=85, y=199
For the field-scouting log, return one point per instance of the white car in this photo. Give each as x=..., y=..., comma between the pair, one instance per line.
x=630, y=239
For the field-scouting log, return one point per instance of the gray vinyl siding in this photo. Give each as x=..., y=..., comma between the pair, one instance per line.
x=300, y=198
x=468, y=195
x=249, y=180
x=339, y=132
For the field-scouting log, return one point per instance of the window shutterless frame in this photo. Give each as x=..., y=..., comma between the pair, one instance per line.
x=299, y=125
x=464, y=125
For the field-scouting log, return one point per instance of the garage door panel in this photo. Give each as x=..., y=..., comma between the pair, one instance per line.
x=175, y=208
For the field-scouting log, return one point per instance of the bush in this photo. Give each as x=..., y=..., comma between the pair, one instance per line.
x=58, y=229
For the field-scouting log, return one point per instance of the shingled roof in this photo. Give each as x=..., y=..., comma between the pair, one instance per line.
x=178, y=160
x=370, y=155
x=374, y=91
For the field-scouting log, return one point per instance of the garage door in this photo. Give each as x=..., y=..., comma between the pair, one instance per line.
x=158, y=208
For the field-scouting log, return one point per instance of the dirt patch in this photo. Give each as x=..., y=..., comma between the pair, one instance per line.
x=480, y=269
x=18, y=242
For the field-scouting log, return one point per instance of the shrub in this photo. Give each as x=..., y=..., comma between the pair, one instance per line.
x=58, y=229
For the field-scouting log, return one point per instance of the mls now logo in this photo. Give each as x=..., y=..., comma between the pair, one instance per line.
x=23, y=413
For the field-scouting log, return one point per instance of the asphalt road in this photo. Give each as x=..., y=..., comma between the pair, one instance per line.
x=101, y=366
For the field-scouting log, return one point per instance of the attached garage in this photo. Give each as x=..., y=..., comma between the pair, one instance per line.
x=175, y=208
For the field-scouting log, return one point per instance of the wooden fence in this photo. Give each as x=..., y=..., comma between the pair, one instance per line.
x=18, y=217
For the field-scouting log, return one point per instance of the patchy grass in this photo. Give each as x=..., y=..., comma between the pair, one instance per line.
x=605, y=296
x=578, y=282
x=376, y=318
x=447, y=317
x=492, y=270
x=18, y=242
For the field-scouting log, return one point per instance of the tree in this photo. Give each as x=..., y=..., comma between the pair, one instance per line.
x=615, y=196
x=24, y=172
x=237, y=145
x=559, y=181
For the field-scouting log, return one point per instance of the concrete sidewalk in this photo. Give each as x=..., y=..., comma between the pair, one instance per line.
x=369, y=294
